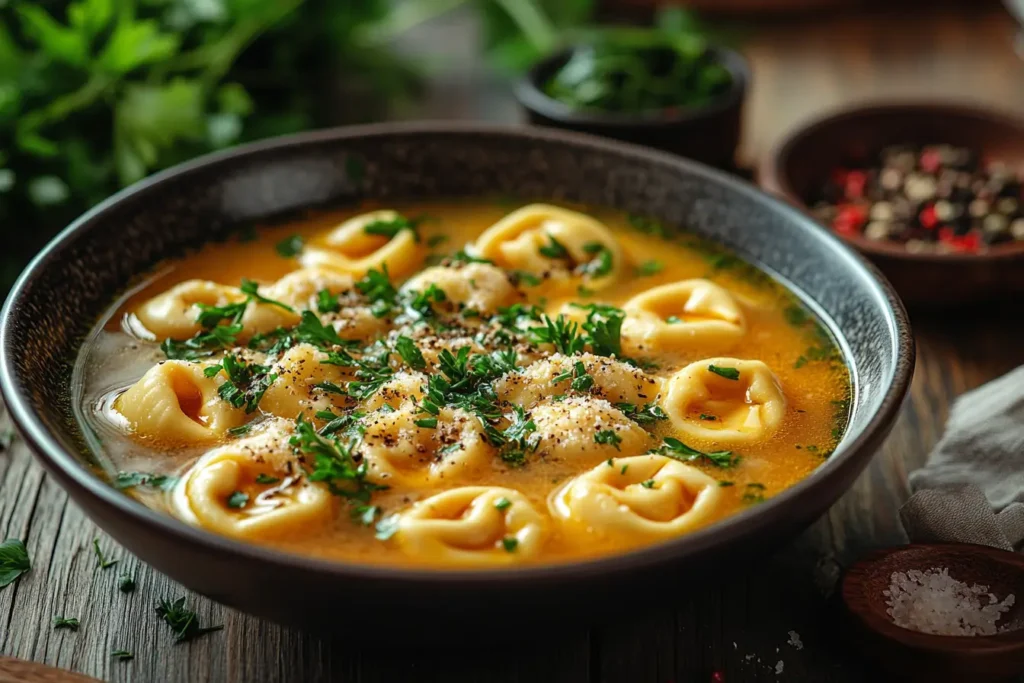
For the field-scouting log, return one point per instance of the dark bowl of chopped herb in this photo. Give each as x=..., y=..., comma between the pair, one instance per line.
x=54, y=307
x=668, y=92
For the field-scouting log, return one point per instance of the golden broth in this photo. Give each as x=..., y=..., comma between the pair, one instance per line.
x=779, y=332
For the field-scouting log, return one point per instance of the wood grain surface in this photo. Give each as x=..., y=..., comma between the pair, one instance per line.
x=738, y=624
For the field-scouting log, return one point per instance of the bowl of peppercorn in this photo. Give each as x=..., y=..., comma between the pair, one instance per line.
x=931, y=192
x=646, y=86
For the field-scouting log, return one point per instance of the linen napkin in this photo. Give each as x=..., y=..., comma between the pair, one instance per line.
x=971, y=490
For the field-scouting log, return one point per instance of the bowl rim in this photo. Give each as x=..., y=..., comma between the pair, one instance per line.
x=848, y=459
x=774, y=175
x=531, y=96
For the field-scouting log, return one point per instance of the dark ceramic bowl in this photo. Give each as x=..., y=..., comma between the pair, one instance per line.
x=708, y=134
x=74, y=279
x=800, y=163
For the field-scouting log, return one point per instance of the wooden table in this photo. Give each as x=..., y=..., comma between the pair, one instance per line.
x=740, y=624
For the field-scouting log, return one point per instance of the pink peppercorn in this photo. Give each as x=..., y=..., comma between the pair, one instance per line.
x=928, y=218
x=930, y=160
x=856, y=181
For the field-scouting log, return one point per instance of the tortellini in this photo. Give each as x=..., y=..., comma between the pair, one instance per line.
x=406, y=444
x=683, y=315
x=645, y=496
x=473, y=525
x=725, y=400
x=253, y=488
x=304, y=384
x=476, y=286
x=174, y=314
x=613, y=380
x=403, y=387
x=354, y=248
x=585, y=429
x=548, y=241
x=175, y=402
x=299, y=289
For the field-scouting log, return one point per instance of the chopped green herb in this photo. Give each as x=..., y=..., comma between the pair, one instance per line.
x=101, y=562
x=126, y=583
x=560, y=332
x=608, y=436
x=184, y=623
x=510, y=543
x=674, y=448
x=646, y=225
x=312, y=331
x=122, y=655
x=421, y=305
x=526, y=278
x=389, y=228
x=437, y=240
x=649, y=484
x=624, y=468
x=602, y=263
x=728, y=373
x=13, y=561
x=334, y=463
x=126, y=480
x=461, y=256
x=648, y=268
x=377, y=288
x=238, y=500
x=246, y=382
x=426, y=423
x=252, y=289
x=723, y=483
x=796, y=316
x=585, y=292
x=327, y=302
x=644, y=415
x=709, y=418
x=69, y=623
x=290, y=247
x=263, y=478
x=800, y=362
x=410, y=353
x=753, y=493
x=554, y=249
x=240, y=431
x=503, y=503
x=673, y=319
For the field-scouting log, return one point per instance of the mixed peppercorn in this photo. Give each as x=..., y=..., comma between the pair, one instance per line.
x=937, y=198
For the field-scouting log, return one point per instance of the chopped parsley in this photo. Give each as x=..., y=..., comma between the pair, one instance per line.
x=648, y=268
x=526, y=278
x=608, y=436
x=265, y=479
x=602, y=264
x=723, y=483
x=245, y=384
x=126, y=583
x=753, y=493
x=518, y=316
x=673, y=319
x=510, y=543
x=649, y=484
x=800, y=362
x=728, y=373
x=327, y=302
x=127, y=480
x=290, y=247
x=390, y=227
x=336, y=464
x=70, y=623
x=410, y=353
x=581, y=380
x=379, y=292
x=708, y=418
x=252, y=289
x=563, y=334
x=421, y=304
x=184, y=623
x=502, y=504
x=312, y=331
x=554, y=249
x=101, y=561
x=14, y=561
x=426, y=422
x=238, y=500
x=241, y=430
x=122, y=655
x=674, y=448
x=644, y=415
x=604, y=328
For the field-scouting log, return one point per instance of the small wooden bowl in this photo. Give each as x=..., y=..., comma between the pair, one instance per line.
x=799, y=164
x=915, y=656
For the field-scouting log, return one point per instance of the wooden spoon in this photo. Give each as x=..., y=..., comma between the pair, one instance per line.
x=916, y=656
x=21, y=671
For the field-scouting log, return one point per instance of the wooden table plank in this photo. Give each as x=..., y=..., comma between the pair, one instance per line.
x=738, y=624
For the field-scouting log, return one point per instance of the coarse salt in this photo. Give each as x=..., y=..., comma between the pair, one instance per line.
x=934, y=602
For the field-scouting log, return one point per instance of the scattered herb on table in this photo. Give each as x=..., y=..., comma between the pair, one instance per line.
x=126, y=583
x=101, y=561
x=14, y=561
x=122, y=655
x=184, y=623
x=69, y=623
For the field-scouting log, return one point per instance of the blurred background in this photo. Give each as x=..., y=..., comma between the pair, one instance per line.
x=97, y=94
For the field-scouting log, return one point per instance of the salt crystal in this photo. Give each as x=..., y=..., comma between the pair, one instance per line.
x=778, y=667
x=794, y=640
x=933, y=602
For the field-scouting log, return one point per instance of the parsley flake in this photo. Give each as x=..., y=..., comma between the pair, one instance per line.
x=728, y=373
